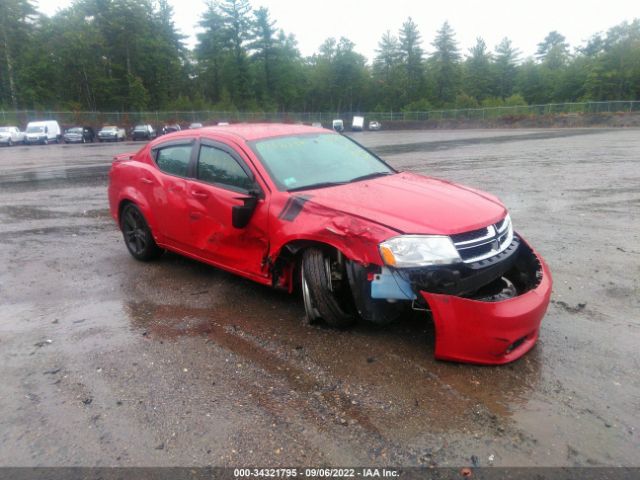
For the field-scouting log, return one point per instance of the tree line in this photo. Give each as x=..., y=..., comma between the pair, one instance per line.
x=127, y=55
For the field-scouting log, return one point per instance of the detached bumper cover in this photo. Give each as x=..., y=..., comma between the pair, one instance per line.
x=489, y=333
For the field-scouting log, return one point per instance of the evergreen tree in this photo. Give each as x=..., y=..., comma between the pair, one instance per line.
x=210, y=53
x=553, y=51
x=505, y=69
x=445, y=65
x=264, y=46
x=387, y=73
x=478, y=75
x=411, y=56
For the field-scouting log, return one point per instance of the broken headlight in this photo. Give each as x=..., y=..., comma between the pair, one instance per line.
x=418, y=251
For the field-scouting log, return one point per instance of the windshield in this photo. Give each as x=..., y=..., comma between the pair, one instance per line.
x=140, y=128
x=74, y=130
x=35, y=129
x=109, y=129
x=4, y=129
x=307, y=161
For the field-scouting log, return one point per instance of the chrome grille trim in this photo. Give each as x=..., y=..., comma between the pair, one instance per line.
x=498, y=237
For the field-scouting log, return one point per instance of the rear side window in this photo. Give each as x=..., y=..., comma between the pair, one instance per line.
x=174, y=160
x=218, y=167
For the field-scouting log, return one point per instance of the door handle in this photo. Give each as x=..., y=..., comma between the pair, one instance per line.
x=199, y=194
x=148, y=181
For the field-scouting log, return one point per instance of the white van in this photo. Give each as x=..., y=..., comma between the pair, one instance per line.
x=43, y=132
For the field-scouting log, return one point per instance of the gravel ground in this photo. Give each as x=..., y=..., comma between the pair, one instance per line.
x=109, y=362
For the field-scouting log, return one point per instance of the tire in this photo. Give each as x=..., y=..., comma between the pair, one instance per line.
x=333, y=305
x=45, y=141
x=10, y=144
x=137, y=235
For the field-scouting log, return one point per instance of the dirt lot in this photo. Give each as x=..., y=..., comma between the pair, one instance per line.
x=107, y=361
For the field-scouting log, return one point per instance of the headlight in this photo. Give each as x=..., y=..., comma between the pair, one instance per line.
x=418, y=251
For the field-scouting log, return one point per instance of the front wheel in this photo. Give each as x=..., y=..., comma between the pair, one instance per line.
x=325, y=289
x=137, y=234
x=10, y=144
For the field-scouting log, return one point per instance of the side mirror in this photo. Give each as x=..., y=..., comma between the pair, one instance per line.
x=241, y=214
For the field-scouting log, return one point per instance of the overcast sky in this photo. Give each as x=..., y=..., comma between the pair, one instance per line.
x=526, y=23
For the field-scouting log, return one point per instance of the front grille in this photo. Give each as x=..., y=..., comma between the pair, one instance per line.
x=466, y=236
x=485, y=242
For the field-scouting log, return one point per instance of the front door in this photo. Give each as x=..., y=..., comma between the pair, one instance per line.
x=222, y=180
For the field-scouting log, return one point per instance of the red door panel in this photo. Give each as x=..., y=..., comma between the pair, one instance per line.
x=169, y=200
x=215, y=238
x=224, y=180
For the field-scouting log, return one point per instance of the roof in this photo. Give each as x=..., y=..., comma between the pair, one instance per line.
x=257, y=131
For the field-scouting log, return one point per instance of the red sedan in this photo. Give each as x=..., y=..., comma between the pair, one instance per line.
x=294, y=206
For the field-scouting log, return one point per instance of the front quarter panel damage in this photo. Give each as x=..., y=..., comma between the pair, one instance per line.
x=301, y=220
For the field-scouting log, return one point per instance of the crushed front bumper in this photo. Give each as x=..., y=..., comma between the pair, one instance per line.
x=489, y=333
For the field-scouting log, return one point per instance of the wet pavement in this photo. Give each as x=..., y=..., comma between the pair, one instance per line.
x=107, y=361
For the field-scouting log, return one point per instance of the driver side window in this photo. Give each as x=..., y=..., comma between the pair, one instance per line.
x=218, y=167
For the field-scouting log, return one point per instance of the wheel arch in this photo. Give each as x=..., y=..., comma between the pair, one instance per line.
x=138, y=200
x=285, y=263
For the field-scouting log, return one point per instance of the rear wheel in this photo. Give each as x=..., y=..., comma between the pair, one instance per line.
x=137, y=234
x=325, y=289
x=10, y=144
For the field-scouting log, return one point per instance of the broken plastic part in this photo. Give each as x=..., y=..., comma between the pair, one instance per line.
x=390, y=285
x=495, y=332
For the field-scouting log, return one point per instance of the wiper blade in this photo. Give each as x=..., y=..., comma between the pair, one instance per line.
x=371, y=175
x=316, y=185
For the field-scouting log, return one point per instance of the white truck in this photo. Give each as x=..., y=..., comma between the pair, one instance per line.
x=11, y=135
x=357, y=124
x=43, y=132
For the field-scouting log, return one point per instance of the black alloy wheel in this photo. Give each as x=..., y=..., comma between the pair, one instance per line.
x=137, y=234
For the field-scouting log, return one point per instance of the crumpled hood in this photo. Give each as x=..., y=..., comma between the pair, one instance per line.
x=412, y=203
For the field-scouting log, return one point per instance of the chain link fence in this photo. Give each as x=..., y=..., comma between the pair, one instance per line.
x=158, y=118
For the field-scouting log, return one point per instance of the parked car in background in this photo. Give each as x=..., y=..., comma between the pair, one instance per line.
x=170, y=128
x=79, y=135
x=143, y=132
x=43, y=131
x=357, y=124
x=111, y=133
x=338, y=125
x=11, y=135
x=195, y=125
x=306, y=209
x=223, y=124
x=316, y=124
x=374, y=125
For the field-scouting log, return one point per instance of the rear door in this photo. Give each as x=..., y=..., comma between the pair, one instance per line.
x=224, y=179
x=166, y=190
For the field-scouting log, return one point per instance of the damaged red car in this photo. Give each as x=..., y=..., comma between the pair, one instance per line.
x=300, y=207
